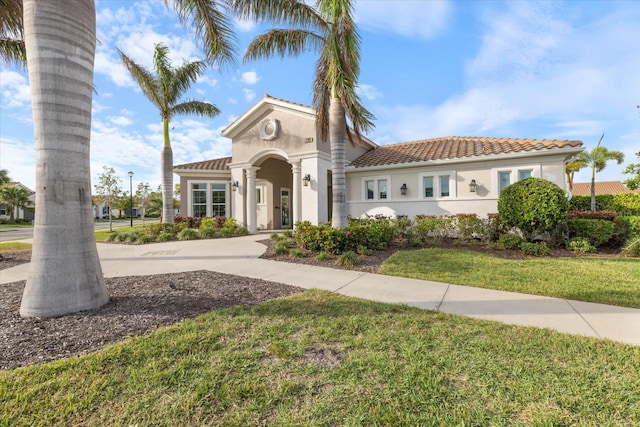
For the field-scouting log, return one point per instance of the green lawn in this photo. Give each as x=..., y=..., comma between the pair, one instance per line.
x=320, y=359
x=101, y=235
x=595, y=279
x=14, y=247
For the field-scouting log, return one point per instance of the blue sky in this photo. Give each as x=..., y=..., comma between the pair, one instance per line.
x=563, y=70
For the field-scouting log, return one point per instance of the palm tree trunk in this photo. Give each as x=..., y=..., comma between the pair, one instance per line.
x=166, y=166
x=65, y=274
x=593, y=188
x=337, y=137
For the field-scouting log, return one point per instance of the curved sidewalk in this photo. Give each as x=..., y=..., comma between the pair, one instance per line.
x=240, y=256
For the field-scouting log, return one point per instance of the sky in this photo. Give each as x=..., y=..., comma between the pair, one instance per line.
x=517, y=69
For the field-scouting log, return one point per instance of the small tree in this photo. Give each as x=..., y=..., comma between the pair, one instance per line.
x=634, y=170
x=142, y=196
x=533, y=205
x=107, y=189
x=15, y=197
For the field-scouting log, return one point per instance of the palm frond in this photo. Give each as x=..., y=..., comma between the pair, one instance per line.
x=282, y=42
x=208, y=20
x=293, y=13
x=146, y=80
x=13, y=52
x=182, y=78
x=197, y=108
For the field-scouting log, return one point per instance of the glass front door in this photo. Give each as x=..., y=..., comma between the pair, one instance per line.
x=285, y=212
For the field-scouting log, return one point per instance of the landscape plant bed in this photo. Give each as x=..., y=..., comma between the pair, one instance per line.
x=137, y=305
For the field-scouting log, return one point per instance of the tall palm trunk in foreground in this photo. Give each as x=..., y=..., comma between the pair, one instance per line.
x=65, y=274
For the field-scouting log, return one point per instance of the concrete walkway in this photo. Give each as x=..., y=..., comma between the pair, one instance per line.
x=239, y=256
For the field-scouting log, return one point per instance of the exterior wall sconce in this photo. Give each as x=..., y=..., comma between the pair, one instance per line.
x=306, y=180
x=403, y=189
x=234, y=186
x=473, y=186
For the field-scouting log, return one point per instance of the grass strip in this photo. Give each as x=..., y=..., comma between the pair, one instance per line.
x=613, y=281
x=319, y=359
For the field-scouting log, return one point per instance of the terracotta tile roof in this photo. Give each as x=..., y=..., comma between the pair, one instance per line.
x=207, y=165
x=453, y=147
x=604, y=187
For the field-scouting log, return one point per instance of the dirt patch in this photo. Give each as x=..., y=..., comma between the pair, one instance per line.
x=137, y=305
x=11, y=259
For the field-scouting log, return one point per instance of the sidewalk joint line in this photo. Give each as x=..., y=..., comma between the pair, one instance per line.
x=360, y=276
x=446, y=291
x=582, y=317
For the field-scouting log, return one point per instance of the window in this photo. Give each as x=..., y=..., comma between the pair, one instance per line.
x=444, y=185
x=440, y=185
x=382, y=189
x=505, y=177
x=259, y=195
x=428, y=186
x=370, y=192
x=218, y=199
x=524, y=173
x=504, y=180
x=208, y=199
x=199, y=199
x=376, y=188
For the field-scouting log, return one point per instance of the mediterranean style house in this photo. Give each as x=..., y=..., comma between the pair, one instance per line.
x=279, y=172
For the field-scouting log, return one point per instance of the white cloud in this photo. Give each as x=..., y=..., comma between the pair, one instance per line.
x=120, y=120
x=21, y=157
x=250, y=78
x=245, y=25
x=15, y=89
x=249, y=95
x=408, y=18
x=368, y=92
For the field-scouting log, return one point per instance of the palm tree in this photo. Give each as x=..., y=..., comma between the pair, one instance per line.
x=164, y=89
x=12, y=50
x=4, y=177
x=573, y=166
x=330, y=30
x=65, y=274
x=597, y=159
x=15, y=197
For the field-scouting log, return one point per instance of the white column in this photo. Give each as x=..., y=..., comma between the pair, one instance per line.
x=251, y=199
x=297, y=191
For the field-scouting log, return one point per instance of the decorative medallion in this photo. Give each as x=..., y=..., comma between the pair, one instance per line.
x=269, y=129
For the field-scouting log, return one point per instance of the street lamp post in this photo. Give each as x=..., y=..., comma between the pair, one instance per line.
x=131, y=197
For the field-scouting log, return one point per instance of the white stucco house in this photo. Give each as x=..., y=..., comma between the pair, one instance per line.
x=25, y=213
x=279, y=172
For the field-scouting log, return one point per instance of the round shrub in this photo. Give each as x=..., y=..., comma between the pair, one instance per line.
x=165, y=237
x=208, y=232
x=510, y=241
x=535, y=249
x=533, y=205
x=144, y=238
x=188, y=234
x=580, y=245
x=207, y=223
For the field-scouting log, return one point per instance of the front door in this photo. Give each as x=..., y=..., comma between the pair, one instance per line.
x=285, y=204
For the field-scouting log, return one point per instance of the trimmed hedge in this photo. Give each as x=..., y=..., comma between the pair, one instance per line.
x=626, y=204
x=596, y=231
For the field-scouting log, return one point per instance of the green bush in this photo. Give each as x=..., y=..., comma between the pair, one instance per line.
x=631, y=224
x=156, y=229
x=596, y=231
x=469, y=226
x=580, y=245
x=583, y=203
x=632, y=247
x=322, y=256
x=296, y=253
x=347, y=259
x=144, y=238
x=227, y=231
x=627, y=204
x=230, y=223
x=207, y=223
x=535, y=249
x=436, y=227
x=510, y=241
x=208, y=232
x=242, y=231
x=533, y=205
x=165, y=237
x=281, y=248
x=188, y=234
x=111, y=236
x=288, y=234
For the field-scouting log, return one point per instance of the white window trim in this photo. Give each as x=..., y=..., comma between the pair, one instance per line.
x=453, y=187
x=208, y=193
x=376, y=192
x=263, y=195
x=536, y=172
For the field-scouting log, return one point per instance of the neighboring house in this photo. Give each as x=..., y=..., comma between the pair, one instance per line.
x=280, y=172
x=20, y=213
x=604, y=187
x=101, y=211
